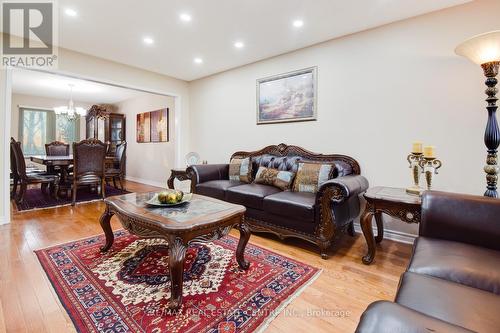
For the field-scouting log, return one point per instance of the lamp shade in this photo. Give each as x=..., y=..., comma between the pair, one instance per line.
x=482, y=48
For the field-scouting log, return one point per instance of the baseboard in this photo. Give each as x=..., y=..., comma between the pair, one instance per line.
x=146, y=181
x=3, y=220
x=397, y=236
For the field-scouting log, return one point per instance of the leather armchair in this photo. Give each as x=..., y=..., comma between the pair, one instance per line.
x=461, y=218
x=454, y=274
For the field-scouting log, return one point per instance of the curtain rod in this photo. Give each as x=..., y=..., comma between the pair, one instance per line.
x=34, y=107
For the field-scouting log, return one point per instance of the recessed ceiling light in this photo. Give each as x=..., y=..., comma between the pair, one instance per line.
x=298, y=23
x=70, y=12
x=148, y=40
x=185, y=17
x=239, y=45
x=198, y=60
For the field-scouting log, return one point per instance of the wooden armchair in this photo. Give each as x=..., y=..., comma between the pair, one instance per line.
x=23, y=177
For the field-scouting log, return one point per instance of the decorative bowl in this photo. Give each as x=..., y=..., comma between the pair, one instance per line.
x=156, y=203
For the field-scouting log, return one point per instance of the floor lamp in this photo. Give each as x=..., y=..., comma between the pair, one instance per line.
x=484, y=50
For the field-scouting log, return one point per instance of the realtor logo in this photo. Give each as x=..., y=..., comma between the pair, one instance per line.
x=29, y=33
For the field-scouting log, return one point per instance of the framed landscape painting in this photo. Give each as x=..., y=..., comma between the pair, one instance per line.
x=287, y=97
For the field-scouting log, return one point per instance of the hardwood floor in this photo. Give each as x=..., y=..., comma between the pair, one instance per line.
x=332, y=303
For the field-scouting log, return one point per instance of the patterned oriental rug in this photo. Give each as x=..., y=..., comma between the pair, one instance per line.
x=127, y=289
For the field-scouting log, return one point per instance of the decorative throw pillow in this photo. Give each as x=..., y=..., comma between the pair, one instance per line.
x=240, y=169
x=311, y=175
x=274, y=177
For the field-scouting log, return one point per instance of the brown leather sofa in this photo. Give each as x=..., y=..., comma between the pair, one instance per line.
x=316, y=218
x=452, y=283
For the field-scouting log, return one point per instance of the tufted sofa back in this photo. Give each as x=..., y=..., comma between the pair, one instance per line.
x=285, y=157
x=289, y=163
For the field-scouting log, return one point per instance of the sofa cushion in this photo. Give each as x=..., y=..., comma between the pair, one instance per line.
x=240, y=169
x=216, y=188
x=274, y=177
x=461, y=305
x=384, y=316
x=310, y=176
x=250, y=195
x=297, y=205
x=458, y=262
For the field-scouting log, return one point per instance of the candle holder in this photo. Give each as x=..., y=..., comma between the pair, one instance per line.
x=414, y=161
x=430, y=165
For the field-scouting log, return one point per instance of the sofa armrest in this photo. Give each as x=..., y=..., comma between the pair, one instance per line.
x=337, y=204
x=344, y=187
x=462, y=218
x=206, y=172
x=384, y=316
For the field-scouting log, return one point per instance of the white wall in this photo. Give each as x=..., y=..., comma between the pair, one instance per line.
x=5, y=102
x=41, y=102
x=378, y=91
x=89, y=67
x=149, y=163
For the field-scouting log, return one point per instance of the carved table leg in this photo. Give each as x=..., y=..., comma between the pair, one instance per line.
x=176, y=254
x=366, y=226
x=380, y=227
x=105, y=222
x=240, y=251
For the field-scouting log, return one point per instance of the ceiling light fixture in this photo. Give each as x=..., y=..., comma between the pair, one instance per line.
x=298, y=23
x=70, y=12
x=185, y=17
x=198, y=60
x=70, y=110
x=239, y=45
x=148, y=40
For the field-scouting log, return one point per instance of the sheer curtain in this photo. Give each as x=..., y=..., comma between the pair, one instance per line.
x=38, y=127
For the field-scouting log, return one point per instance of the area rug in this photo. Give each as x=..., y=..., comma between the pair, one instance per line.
x=36, y=199
x=127, y=289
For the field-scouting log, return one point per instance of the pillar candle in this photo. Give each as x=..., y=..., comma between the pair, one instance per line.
x=417, y=147
x=429, y=151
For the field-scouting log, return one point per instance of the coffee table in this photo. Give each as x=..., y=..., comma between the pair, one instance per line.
x=202, y=219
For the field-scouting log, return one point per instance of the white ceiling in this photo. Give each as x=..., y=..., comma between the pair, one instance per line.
x=115, y=29
x=56, y=86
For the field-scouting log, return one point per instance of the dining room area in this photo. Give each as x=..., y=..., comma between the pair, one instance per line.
x=73, y=141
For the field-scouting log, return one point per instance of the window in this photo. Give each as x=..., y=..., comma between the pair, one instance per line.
x=38, y=127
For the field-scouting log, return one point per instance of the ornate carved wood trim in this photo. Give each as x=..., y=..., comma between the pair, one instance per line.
x=212, y=235
x=325, y=230
x=282, y=232
x=286, y=150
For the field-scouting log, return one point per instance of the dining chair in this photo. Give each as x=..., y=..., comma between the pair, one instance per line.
x=88, y=166
x=23, y=177
x=56, y=148
x=118, y=170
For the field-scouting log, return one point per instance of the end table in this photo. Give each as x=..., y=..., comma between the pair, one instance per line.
x=394, y=202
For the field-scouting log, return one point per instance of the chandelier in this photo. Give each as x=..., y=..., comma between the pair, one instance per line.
x=70, y=111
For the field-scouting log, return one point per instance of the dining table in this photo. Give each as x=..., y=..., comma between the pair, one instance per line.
x=64, y=162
